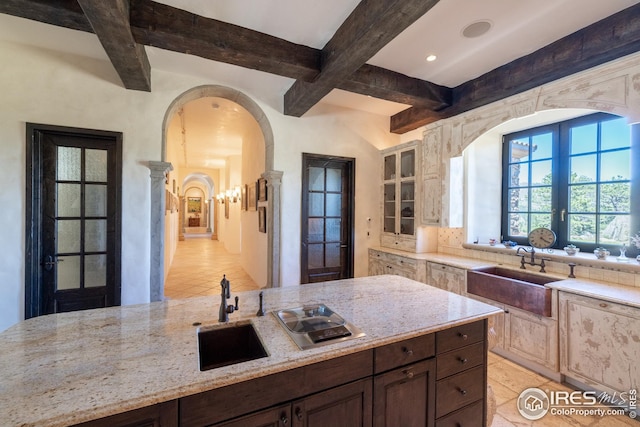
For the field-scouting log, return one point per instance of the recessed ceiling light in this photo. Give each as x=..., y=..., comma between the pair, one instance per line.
x=431, y=58
x=476, y=29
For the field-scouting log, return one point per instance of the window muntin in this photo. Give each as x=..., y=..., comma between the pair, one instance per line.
x=574, y=177
x=528, y=187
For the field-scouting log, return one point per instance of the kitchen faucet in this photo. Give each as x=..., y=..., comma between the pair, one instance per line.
x=532, y=251
x=225, y=309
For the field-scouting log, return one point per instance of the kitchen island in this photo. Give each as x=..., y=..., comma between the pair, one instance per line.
x=71, y=368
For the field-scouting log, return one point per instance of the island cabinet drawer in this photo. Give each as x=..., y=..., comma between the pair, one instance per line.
x=460, y=359
x=459, y=390
x=469, y=416
x=460, y=336
x=404, y=352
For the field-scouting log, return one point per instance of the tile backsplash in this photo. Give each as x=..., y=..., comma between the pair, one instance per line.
x=451, y=241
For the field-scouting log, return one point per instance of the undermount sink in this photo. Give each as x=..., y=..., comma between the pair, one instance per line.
x=316, y=324
x=228, y=344
x=516, y=288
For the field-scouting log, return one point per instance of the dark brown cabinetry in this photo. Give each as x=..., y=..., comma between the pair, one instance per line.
x=348, y=406
x=430, y=380
x=273, y=417
x=302, y=388
x=404, y=397
x=461, y=376
x=345, y=406
x=404, y=384
x=160, y=415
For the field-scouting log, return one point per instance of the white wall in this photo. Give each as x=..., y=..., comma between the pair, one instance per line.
x=348, y=133
x=42, y=86
x=253, y=257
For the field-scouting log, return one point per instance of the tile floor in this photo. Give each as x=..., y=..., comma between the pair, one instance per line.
x=200, y=262
x=198, y=266
x=508, y=380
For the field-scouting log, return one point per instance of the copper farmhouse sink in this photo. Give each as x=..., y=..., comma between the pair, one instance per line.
x=516, y=288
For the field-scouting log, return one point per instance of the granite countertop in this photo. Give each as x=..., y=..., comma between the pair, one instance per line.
x=609, y=292
x=73, y=367
x=451, y=260
x=627, y=295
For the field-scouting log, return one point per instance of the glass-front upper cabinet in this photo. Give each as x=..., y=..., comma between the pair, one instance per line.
x=399, y=191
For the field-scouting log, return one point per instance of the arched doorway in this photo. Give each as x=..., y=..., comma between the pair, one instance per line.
x=273, y=180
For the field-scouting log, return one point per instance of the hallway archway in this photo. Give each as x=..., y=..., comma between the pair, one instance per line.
x=273, y=184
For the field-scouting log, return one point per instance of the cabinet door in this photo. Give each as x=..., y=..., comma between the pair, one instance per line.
x=532, y=336
x=405, y=397
x=376, y=263
x=399, y=191
x=495, y=325
x=345, y=406
x=445, y=277
x=600, y=343
x=274, y=417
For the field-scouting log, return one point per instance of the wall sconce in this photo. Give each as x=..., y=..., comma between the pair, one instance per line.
x=233, y=195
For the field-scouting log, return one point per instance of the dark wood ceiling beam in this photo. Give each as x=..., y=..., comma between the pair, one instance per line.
x=152, y=24
x=391, y=86
x=110, y=22
x=62, y=13
x=601, y=42
x=370, y=27
x=169, y=28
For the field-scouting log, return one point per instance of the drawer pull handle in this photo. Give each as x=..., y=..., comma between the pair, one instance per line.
x=299, y=414
x=407, y=352
x=408, y=374
x=462, y=391
x=463, y=336
x=463, y=360
x=603, y=304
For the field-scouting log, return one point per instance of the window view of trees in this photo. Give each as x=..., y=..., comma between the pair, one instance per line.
x=573, y=177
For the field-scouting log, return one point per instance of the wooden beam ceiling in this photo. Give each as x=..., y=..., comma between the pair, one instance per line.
x=341, y=64
x=62, y=13
x=110, y=22
x=370, y=27
x=169, y=28
x=603, y=41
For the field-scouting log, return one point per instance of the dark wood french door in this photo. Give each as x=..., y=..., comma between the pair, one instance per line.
x=327, y=218
x=73, y=219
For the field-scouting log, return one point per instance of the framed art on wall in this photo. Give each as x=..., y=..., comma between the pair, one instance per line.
x=252, y=200
x=243, y=198
x=262, y=219
x=194, y=204
x=262, y=190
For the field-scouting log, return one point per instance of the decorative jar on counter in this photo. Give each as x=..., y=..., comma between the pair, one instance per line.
x=571, y=249
x=601, y=253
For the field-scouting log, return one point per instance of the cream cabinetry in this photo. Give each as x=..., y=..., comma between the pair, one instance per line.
x=400, y=209
x=525, y=337
x=599, y=342
x=531, y=337
x=431, y=195
x=381, y=262
x=445, y=277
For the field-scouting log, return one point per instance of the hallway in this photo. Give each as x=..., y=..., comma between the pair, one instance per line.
x=198, y=266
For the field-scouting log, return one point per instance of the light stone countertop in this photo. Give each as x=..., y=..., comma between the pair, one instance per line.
x=609, y=292
x=451, y=260
x=68, y=368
